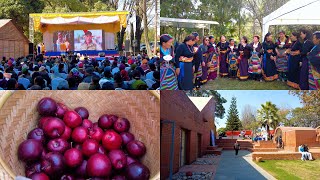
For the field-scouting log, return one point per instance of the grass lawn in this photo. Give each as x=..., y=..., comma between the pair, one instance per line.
x=292, y=169
x=235, y=84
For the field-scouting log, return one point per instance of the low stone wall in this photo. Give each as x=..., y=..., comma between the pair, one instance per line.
x=265, y=144
x=281, y=156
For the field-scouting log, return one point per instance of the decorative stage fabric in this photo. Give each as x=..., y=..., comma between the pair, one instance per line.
x=80, y=20
x=68, y=21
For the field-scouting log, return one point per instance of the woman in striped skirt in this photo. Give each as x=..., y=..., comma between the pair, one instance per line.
x=168, y=71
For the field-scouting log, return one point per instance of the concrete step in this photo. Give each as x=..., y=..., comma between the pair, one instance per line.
x=265, y=150
x=212, y=147
x=217, y=151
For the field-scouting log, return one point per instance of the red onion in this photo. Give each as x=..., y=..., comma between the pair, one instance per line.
x=47, y=107
x=30, y=150
x=137, y=171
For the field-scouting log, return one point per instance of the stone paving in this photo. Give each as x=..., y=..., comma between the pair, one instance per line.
x=239, y=167
x=203, y=168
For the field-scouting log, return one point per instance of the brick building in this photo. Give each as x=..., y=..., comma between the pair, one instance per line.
x=185, y=129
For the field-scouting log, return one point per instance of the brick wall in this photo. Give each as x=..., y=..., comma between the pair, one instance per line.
x=177, y=107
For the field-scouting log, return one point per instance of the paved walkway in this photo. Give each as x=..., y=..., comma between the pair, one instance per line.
x=240, y=167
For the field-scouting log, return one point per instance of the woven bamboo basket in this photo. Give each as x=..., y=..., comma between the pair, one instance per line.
x=18, y=116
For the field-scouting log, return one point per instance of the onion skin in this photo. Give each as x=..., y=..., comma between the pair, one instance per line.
x=61, y=110
x=58, y=145
x=118, y=159
x=37, y=134
x=111, y=140
x=79, y=134
x=126, y=138
x=90, y=147
x=40, y=176
x=53, y=164
x=54, y=128
x=99, y=165
x=30, y=150
x=83, y=112
x=47, y=107
x=73, y=157
x=81, y=170
x=106, y=121
x=136, y=148
x=121, y=125
x=72, y=119
x=66, y=134
x=137, y=171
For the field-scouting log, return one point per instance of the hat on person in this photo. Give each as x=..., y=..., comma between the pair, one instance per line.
x=122, y=67
x=80, y=65
x=88, y=33
x=42, y=68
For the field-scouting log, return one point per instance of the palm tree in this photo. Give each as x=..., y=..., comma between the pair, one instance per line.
x=268, y=116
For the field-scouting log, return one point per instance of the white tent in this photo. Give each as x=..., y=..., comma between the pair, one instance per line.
x=294, y=12
x=186, y=23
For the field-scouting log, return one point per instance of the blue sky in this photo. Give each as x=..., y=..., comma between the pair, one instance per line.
x=255, y=98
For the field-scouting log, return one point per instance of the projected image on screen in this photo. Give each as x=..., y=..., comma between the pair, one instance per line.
x=63, y=41
x=88, y=40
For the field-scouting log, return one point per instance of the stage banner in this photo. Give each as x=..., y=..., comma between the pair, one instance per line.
x=109, y=40
x=48, y=41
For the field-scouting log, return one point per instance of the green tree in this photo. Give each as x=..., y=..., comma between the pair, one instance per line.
x=221, y=131
x=309, y=114
x=233, y=121
x=220, y=110
x=268, y=116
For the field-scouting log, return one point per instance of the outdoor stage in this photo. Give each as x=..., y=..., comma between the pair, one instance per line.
x=84, y=33
x=92, y=54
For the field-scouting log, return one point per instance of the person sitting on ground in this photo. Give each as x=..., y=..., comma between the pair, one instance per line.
x=38, y=81
x=63, y=85
x=156, y=76
x=12, y=84
x=3, y=81
x=43, y=72
x=72, y=83
x=136, y=81
x=304, y=154
x=25, y=74
x=88, y=74
x=35, y=72
x=114, y=68
x=118, y=82
x=144, y=65
x=107, y=78
x=149, y=75
x=95, y=83
x=108, y=86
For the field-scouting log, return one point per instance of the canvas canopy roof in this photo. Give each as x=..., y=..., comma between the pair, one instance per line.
x=108, y=21
x=294, y=12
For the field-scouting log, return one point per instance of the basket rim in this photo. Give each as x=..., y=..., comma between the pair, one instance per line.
x=9, y=93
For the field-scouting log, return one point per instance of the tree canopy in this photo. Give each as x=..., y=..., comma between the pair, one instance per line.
x=233, y=120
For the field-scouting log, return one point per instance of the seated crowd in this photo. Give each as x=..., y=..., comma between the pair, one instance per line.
x=79, y=73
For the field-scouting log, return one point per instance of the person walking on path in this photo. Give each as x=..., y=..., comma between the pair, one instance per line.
x=236, y=147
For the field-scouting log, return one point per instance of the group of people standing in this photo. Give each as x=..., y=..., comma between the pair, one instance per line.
x=293, y=58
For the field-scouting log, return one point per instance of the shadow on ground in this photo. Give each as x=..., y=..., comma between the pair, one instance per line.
x=233, y=167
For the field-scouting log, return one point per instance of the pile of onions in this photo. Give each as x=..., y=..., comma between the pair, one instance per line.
x=66, y=145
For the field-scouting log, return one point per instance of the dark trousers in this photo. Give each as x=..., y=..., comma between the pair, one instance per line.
x=237, y=150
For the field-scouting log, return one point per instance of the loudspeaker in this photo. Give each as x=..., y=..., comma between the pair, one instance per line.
x=31, y=48
x=102, y=54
